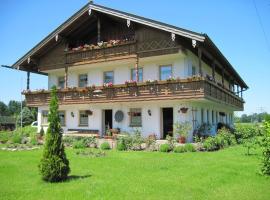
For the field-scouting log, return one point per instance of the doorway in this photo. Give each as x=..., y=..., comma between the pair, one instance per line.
x=108, y=120
x=167, y=119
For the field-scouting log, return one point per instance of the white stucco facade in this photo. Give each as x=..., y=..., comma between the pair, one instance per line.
x=199, y=111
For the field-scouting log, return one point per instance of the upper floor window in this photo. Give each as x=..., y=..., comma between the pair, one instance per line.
x=83, y=80
x=108, y=77
x=135, y=117
x=193, y=70
x=44, y=117
x=61, y=82
x=62, y=117
x=140, y=74
x=165, y=72
x=83, y=118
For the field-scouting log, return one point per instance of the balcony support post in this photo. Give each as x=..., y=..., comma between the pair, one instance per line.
x=28, y=81
x=98, y=29
x=66, y=76
x=137, y=68
x=214, y=71
x=222, y=76
x=200, y=61
x=241, y=93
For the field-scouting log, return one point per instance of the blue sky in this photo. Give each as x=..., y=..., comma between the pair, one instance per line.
x=233, y=25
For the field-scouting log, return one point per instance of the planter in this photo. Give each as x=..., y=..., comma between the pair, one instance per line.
x=182, y=140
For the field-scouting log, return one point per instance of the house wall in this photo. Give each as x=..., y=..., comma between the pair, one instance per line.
x=181, y=65
x=150, y=124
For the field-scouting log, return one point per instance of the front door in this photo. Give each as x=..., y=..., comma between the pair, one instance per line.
x=108, y=119
x=167, y=116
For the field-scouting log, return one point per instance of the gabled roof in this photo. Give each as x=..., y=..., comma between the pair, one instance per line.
x=133, y=18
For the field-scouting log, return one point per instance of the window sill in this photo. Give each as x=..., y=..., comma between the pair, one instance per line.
x=81, y=125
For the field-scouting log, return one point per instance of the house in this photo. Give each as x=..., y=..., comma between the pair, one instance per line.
x=118, y=70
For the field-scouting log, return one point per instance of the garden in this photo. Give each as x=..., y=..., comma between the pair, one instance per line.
x=233, y=164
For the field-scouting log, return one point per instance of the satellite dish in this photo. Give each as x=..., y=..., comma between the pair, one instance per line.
x=119, y=116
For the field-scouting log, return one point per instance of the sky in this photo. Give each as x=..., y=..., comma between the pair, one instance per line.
x=240, y=29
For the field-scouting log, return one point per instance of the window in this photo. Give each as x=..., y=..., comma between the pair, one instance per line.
x=135, y=117
x=165, y=72
x=62, y=117
x=140, y=74
x=108, y=77
x=83, y=79
x=44, y=117
x=83, y=121
x=61, y=82
x=217, y=119
x=193, y=70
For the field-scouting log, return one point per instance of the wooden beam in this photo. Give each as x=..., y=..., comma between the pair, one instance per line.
x=223, y=77
x=137, y=69
x=66, y=76
x=200, y=60
x=98, y=28
x=28, y=81
x=214, y=70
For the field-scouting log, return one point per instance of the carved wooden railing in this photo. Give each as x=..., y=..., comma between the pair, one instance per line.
x=144, y=49
x=182, y=89
x=123, y=49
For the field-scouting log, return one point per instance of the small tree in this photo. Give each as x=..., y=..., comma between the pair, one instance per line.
x=54, y=165
x=27, y=117
x=266, y=150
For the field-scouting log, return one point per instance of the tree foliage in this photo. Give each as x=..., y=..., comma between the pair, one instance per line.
x=54, y=165
x=266, y=150
x=27, y=117
x=3, y=109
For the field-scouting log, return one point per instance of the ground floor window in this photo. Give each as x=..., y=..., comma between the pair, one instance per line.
x=213, y=120
x=44, y=117
x=83, y=118
x=62, y=116
x=135, y=117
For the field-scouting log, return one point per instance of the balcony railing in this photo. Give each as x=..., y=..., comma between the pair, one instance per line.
x=162, y=90
x=104, y=52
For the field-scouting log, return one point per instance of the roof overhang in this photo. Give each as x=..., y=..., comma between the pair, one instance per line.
x=203, y=38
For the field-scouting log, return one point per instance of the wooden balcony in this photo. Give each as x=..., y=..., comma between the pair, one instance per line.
x=198, y=88
x=96, y=53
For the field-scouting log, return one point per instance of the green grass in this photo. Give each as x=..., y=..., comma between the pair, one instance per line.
x=226, y=174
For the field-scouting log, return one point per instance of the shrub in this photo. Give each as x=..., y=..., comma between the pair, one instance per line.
x=105, y=146
x=132, y=141
x=150, y=142
x=190, y=147
x=4, y=136
x=16, y=138
x=79, y=144
x=211, y=144
x=41, y=132
x=68, y=141
x=179, y=149
x=121, y=147
x=227, y=136
x=164, y=148
x=54, y=165
x=265, y=168
x=171, y=141
x=245, y=131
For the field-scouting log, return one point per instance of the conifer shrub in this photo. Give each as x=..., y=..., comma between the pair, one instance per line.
x=54, y=165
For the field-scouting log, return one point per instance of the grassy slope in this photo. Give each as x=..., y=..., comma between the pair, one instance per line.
x=227, y=174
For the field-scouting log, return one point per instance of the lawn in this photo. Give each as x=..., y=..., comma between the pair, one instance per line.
x=226, y=174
